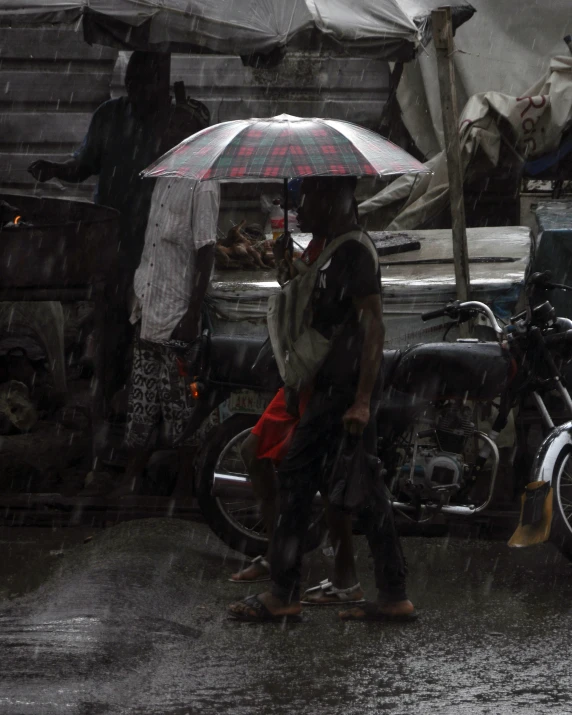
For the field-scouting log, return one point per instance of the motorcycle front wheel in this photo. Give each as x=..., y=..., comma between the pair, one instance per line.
x=237, y=520
x=561, y=534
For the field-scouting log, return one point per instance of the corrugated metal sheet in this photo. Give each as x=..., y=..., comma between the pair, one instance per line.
x=307, y=86
x=352, y=89
x=51, y=81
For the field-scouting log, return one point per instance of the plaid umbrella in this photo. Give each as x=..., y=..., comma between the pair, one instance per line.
x=284, y=147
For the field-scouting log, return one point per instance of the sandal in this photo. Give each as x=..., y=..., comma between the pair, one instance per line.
x=370, y=611
x=259, y=560
x=326, y=594
x=259, y=613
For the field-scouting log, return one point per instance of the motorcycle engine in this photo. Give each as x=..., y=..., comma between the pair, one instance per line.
x=439, y=466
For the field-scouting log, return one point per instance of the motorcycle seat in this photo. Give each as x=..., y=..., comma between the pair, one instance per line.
x=232, y=357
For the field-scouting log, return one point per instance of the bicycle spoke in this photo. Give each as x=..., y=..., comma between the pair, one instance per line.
x=258, y=523
x=243, y=514
x=234, y=504
x=246, y=510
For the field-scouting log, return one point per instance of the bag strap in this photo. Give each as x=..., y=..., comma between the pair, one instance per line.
x=358, y=235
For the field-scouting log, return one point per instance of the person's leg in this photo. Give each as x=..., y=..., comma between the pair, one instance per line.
x=343, y=587
x=299, y=475
x=270, y=437
x=143, y=415
x=390, y=566
x=265, y=488
x=389, y=561
x=264, y=483
x=176, y=409
x=341, y=536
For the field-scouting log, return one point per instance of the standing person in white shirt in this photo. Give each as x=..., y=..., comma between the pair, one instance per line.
x=170, y=285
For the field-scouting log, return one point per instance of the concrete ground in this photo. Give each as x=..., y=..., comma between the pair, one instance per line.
x=134, y=622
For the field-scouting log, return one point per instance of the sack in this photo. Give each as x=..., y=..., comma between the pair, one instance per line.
x=299, y=349
x=266, y=369
x=356, y=476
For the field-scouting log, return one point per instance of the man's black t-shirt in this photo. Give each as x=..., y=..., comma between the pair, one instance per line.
x=350, y=273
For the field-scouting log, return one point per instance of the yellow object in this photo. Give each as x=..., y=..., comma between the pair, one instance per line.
x=539, y=532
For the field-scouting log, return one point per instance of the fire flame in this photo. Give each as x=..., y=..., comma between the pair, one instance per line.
x=17, y=220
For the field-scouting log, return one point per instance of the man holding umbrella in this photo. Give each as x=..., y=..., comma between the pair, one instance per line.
x=347, y=312
x=346, y=391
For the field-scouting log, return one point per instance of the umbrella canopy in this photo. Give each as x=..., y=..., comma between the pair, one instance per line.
x=390, y=29
x=284, y=147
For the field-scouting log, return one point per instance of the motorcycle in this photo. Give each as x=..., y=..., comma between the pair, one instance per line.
x=447, y=406
x=225, y=387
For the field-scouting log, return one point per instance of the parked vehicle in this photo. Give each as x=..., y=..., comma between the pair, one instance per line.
x=438, y=457
x=224, y=384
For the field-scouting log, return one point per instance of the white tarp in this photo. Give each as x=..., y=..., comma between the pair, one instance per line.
x=385, y=28
x=413, y=282
x=536, y=118
x=504, y=48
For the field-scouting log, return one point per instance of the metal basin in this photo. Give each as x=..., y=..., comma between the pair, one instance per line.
x=69, y=243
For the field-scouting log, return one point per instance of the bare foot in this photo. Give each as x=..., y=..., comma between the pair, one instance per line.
x=396, y=608
x=375, y=611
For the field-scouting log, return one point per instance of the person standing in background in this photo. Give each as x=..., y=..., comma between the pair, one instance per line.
x=169, y=288
x=125, y=136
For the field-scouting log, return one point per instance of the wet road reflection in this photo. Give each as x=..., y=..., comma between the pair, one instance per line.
x=134, y=622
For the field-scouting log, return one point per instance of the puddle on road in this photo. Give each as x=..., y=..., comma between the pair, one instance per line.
x=134, y=622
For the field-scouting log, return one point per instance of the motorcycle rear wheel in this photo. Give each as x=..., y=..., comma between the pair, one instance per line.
x=237, y=521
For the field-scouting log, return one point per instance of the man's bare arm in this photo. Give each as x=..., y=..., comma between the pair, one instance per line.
x=187, y=330
x=370, y=314
x=71, y=171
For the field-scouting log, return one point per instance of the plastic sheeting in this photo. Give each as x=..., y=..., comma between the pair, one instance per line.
x=505, y=46
x=554, y=252
x=535, y=122
x=388, y=29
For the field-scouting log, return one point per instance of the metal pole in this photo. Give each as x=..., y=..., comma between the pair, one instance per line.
x=286, y=210
x=444, y=45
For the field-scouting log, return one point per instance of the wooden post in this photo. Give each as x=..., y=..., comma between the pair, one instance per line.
x=444, y=45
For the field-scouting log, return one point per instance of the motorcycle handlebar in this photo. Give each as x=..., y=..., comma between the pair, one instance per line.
x=430, y=315
x=464, y=311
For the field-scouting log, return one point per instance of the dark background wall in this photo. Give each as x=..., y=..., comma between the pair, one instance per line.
x=51, y=81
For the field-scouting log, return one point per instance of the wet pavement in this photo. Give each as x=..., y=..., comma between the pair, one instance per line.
x=134, y=622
